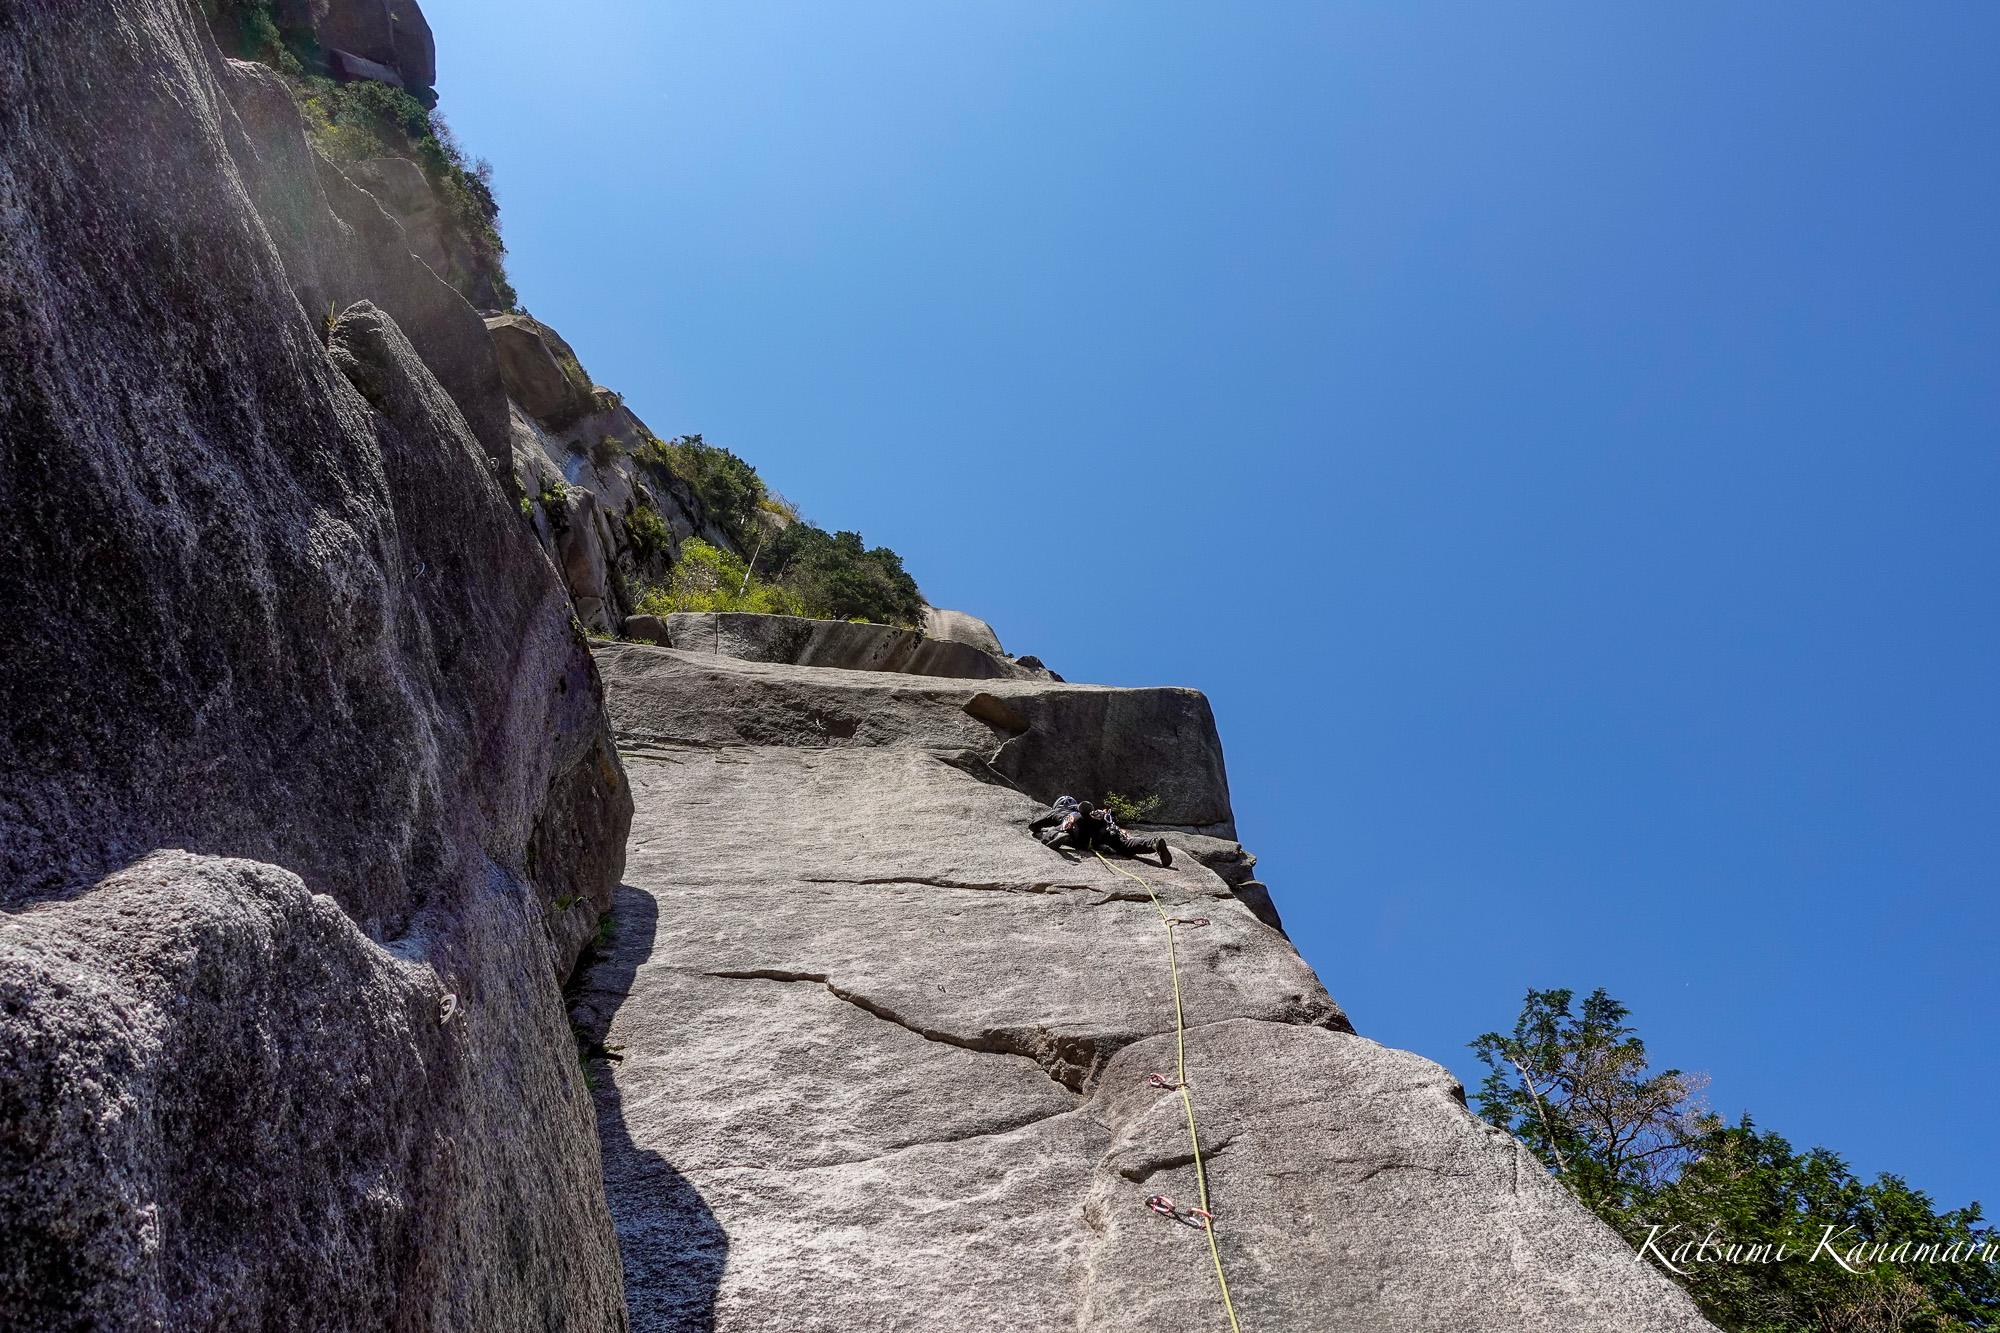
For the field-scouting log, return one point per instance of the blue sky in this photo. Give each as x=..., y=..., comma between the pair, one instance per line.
x=1559, y=437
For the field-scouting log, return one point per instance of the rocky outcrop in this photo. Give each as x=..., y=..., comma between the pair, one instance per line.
x=1044, y=737
x=306, y=795
x=888, y=1062
x=849, y=645
x=532, y=360
x=958, y=627
x=338, y=245
x=386, y=40
x=227, y=1107
x=588, y=467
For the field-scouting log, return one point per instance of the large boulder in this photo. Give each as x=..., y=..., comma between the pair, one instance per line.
x=365, y=28
x=300, y=737
x=531, y=361
x=416, y=49
x=391, y=35
x=958, y=627
x=228, y=1107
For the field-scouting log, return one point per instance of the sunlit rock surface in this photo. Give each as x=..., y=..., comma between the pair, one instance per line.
x=886, y=1060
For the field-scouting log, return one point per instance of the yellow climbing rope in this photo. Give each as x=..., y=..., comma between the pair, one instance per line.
x=1180, y=1076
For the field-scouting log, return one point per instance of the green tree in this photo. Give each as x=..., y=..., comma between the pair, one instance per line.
x=729, y=490
x=1766, y=1239
x=709, y=578
x=1576, y=1089
x=838, y=577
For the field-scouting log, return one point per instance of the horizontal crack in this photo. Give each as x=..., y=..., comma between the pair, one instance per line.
x=1051, y=1054
x=898, y=1149
x=937, y=882
x=1151, y=1167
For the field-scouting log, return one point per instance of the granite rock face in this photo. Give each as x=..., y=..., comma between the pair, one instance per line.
x=958, y=627
x=338, y=245
x=610, y=511
x=886, y=1061
x=400, y=187
x=536, y=379
x=1048, y=739
x=849, y=645
x=300, y=737
x=261, y=1118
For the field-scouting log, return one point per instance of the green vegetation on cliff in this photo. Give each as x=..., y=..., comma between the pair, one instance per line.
x=711, y=579
x=252, y=30
x=797, y=565
x=1711, y=1203
x=729, y=489
x=842, y=578
x=798, y=568
x=354, y=122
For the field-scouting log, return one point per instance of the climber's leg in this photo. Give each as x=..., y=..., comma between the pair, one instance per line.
x=1118, y=840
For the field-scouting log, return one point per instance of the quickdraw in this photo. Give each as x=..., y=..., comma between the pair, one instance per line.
x=446, y=1008
x=1200, y=1217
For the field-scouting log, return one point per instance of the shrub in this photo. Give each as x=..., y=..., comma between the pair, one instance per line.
x=554, y=500
x=840, y=579
x=1128, y=811
x=649, y=536
x=708, y=578
x=651, y=539
x=729, y=489
x=249, y=30
x=1641, y=1150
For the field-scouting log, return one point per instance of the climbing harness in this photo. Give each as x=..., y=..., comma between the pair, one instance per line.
x=1160, y=1203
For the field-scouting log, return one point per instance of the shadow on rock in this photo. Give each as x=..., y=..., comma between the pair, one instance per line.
x=672, y=1247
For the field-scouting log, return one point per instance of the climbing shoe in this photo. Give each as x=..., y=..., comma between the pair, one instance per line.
x=1166, y=853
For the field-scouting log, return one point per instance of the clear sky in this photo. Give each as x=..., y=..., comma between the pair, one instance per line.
x=1559, y=437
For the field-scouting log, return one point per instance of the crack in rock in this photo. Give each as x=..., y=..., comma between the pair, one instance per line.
x=938, y=882
x=1055, y=887
x=1070, y=1061
x=899, y=1149
x=1141, y=1172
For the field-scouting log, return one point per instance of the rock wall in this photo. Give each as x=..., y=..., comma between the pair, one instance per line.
x=307, y=799
x=586, y=466
x=310, y=800
x=850, y=645
x=887, y=1062
x=1044, y=737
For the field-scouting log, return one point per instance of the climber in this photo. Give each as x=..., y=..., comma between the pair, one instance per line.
x=1071, y=823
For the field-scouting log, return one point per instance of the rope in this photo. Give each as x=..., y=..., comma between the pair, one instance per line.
x=1180, y=1074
